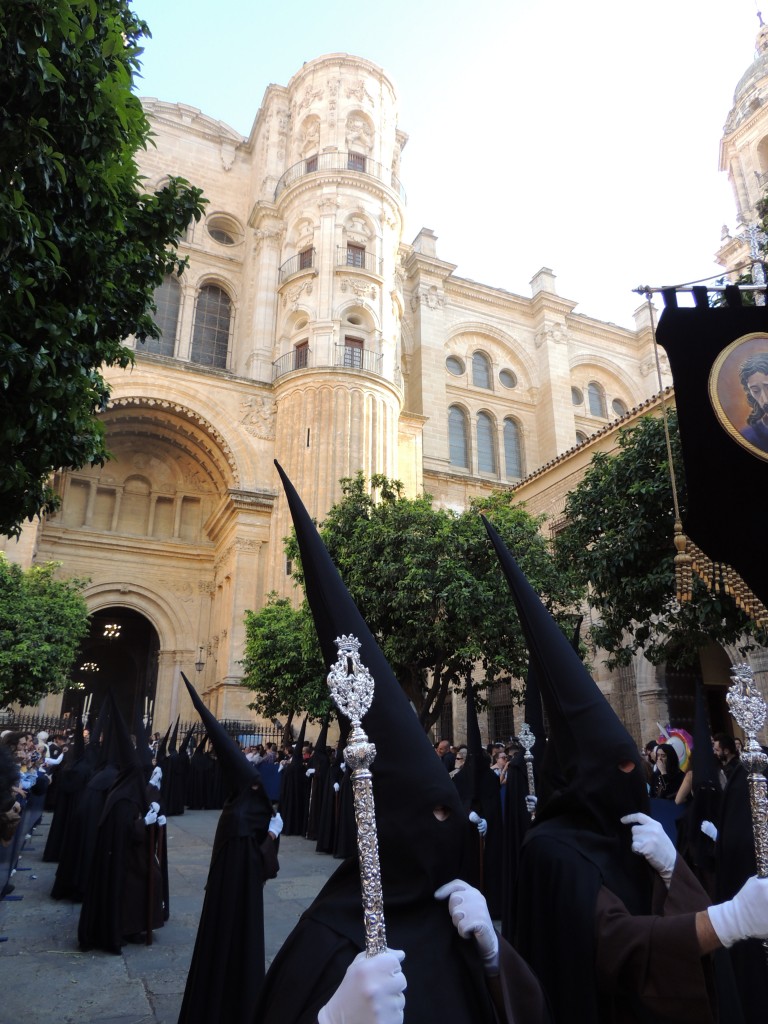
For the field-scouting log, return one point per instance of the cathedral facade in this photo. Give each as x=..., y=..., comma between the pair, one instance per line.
x=307, y=329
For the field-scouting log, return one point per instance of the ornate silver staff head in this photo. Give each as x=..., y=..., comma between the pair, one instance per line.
x=748, y=709
x=351, y=686
x=527, y=739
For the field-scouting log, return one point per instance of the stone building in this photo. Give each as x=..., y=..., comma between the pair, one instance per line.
x=308, y=329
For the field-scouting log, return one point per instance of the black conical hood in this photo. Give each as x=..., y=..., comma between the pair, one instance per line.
x=174, y=737
x=129, y=783
x=320, y=755
x=187, y=738
x=143, y=751
x=418, y=852
x=591, y=742
x=474, y=776
x=298, y=746
x=78, y=745
x=162, y=750
x=237, y=769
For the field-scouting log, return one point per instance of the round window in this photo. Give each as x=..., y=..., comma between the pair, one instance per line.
x=577, y=396
x=508, y=379
x=619, y=407
x=223, y=230
x=454, y=365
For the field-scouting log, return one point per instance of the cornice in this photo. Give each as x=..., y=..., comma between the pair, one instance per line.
x=189, y=119
x=353, y=180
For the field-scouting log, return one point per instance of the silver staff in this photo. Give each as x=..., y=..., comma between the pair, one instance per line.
x=527, y=739
x=748, y=709
x=351, y=686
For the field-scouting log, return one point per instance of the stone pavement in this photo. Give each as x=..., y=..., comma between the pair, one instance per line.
x=45, y=976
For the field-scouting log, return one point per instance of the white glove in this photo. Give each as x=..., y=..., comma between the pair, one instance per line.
x=154, y=806
x=371, y=992
x=530, y=803
x=709, y=830
x=343, y=766
x=275, y=825
x=310, y=772
x=335, y=787
x=156, y=778
x=469, y=913
x=162, y=820
x=649, y=840
x=482, y=824
x=743, y=917
x=150, y=817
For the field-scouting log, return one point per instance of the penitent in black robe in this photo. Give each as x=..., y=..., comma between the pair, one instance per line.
x=125, y=890
x=227, y=966
x=443, y=972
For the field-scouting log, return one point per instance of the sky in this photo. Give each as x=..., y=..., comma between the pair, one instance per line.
x=583, y=137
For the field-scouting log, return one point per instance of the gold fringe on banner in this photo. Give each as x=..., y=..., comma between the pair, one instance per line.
x=718, y=577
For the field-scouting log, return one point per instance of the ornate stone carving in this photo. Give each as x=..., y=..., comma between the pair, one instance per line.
x=309, y=97
x=429, y=296
x=357, y=91
x=551, y=334
x=360, y=288
x=359, y=134
x=258, y=416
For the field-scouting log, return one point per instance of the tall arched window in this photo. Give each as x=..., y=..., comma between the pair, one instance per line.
x=210, y=337
x=513, y=449
x=168, y=302
x=458, y=437
x=486, y=443
x=596, y=397
x=481, y=370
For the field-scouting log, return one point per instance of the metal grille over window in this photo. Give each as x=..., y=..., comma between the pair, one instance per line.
x=210, y=337
x=168, y=302
x=458, y=437
x=596, y=397
x=486, y=444
x=513, y=450
x=481, y=370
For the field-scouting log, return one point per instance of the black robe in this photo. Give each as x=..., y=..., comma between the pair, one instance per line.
x=517, y=821
x=735, y=858
x=75, y=858
x=124, y=893
x=443, y=971
x=71, y=784
x=227, y=966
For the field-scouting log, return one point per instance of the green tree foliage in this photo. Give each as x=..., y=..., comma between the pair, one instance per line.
x=619, y=541
x=42, y=621
x=82, y=247
x=430, y=588
x=282, y=663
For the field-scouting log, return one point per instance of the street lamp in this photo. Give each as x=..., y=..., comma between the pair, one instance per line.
x=200, y=664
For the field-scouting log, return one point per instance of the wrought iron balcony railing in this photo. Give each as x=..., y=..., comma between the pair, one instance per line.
x=344, y=357
x=354, y=256
x=357, y=163
x=306, y=260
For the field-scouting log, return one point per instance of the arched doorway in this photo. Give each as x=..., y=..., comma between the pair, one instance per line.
x=713, y=670
x=120, y=655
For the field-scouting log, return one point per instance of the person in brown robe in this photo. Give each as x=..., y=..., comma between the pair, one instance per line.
x=614, y=924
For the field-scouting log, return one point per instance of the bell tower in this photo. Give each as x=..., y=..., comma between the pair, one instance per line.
x=744, y=155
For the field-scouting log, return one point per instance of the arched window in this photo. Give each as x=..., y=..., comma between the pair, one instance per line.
x=486, y=444
x=458, y=437
x=581, y=437
x=210, y=337
x=168, y=302
x=513, y=449
x=596, y=397
x=481, y=370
